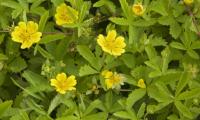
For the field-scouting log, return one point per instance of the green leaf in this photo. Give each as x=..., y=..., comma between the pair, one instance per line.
x=154, y=108
x=159, y=7
x=184, y=79
x=178, y=45
x=151, y=52
x=134, y=97
x=37, y=81
x=189, y=94
x=62, y=48
x=43, y=21
x=129, y=60
x=11, y=4
x=26, y=90
x=51, y=38
x=166, y=20
x=88, y=55
x=22, y=115
x=57, y=2
x=125, y=8
x=54, y=103
x=183, y=109
x=141, y=110
x=3, y=57
x=195, y=45
x=193, y=54
x=92, y=106
x=123, y=115
x=99, y=3
x=17, y=65
x=44, y=53
x=4, y=107
x=87, y=70
x=35, y=106
x=175, y=30
x=119, y=21
x=69, y=117
x=157, y=93
x=84, y=9
x=144, y=23
x=96, y=116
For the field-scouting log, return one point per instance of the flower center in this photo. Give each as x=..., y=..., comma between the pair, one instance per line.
x=138, y=9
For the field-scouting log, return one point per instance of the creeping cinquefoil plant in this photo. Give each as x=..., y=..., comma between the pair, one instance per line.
x=100, y=60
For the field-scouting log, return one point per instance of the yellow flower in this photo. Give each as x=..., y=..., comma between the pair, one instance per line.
x=62, y=83
x=138, y=9
x=141, y=83
x=188, y=2
x=112, y=44
x=65, y=15
x=26, y=33
x=112, y=80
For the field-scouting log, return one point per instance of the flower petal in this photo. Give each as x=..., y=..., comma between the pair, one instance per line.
x=36, y=37
x=101, y=40
x=32, y=27
x=61, y=77
x=26, y=44
x=71, y=81
x=111, y=35
x=53, y=82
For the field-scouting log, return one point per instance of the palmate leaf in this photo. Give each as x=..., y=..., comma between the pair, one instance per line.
x=184, y=79
x=119, y=21
x=154, y=108
x=43, y=21
x=159, y=6
x=50, y=38
x=158, y=94
x=184, y=110
x=92, y=106
x=134, y=97
x=123, y=115
x=89, y=56
x=175, y=30
x=22, y=115
x=96, y=116
x=189, y=94
x=36, y=81
x=17, y=65
x=4, y=107
x=125, y=8
x=87, y=70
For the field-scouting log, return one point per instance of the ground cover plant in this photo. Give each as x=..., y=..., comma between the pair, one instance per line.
x=99, y=59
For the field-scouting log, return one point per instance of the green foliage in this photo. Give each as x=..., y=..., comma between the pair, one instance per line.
x=162, y=48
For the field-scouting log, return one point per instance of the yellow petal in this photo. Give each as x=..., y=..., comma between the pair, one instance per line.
x=71, y=88
x=53, y=82
x=117, y=51
x=109, y=83
x=22, y=25
x=120, y=42
x=101, y=40
x=61, y=8
x=108, y=74
x=141, y=83
x=15, y=37
x=61, y=77
x=60, y=91
x=71, y=81
x=26, y=44
x=36, y=37
x=111, y=35
x=32, y=27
